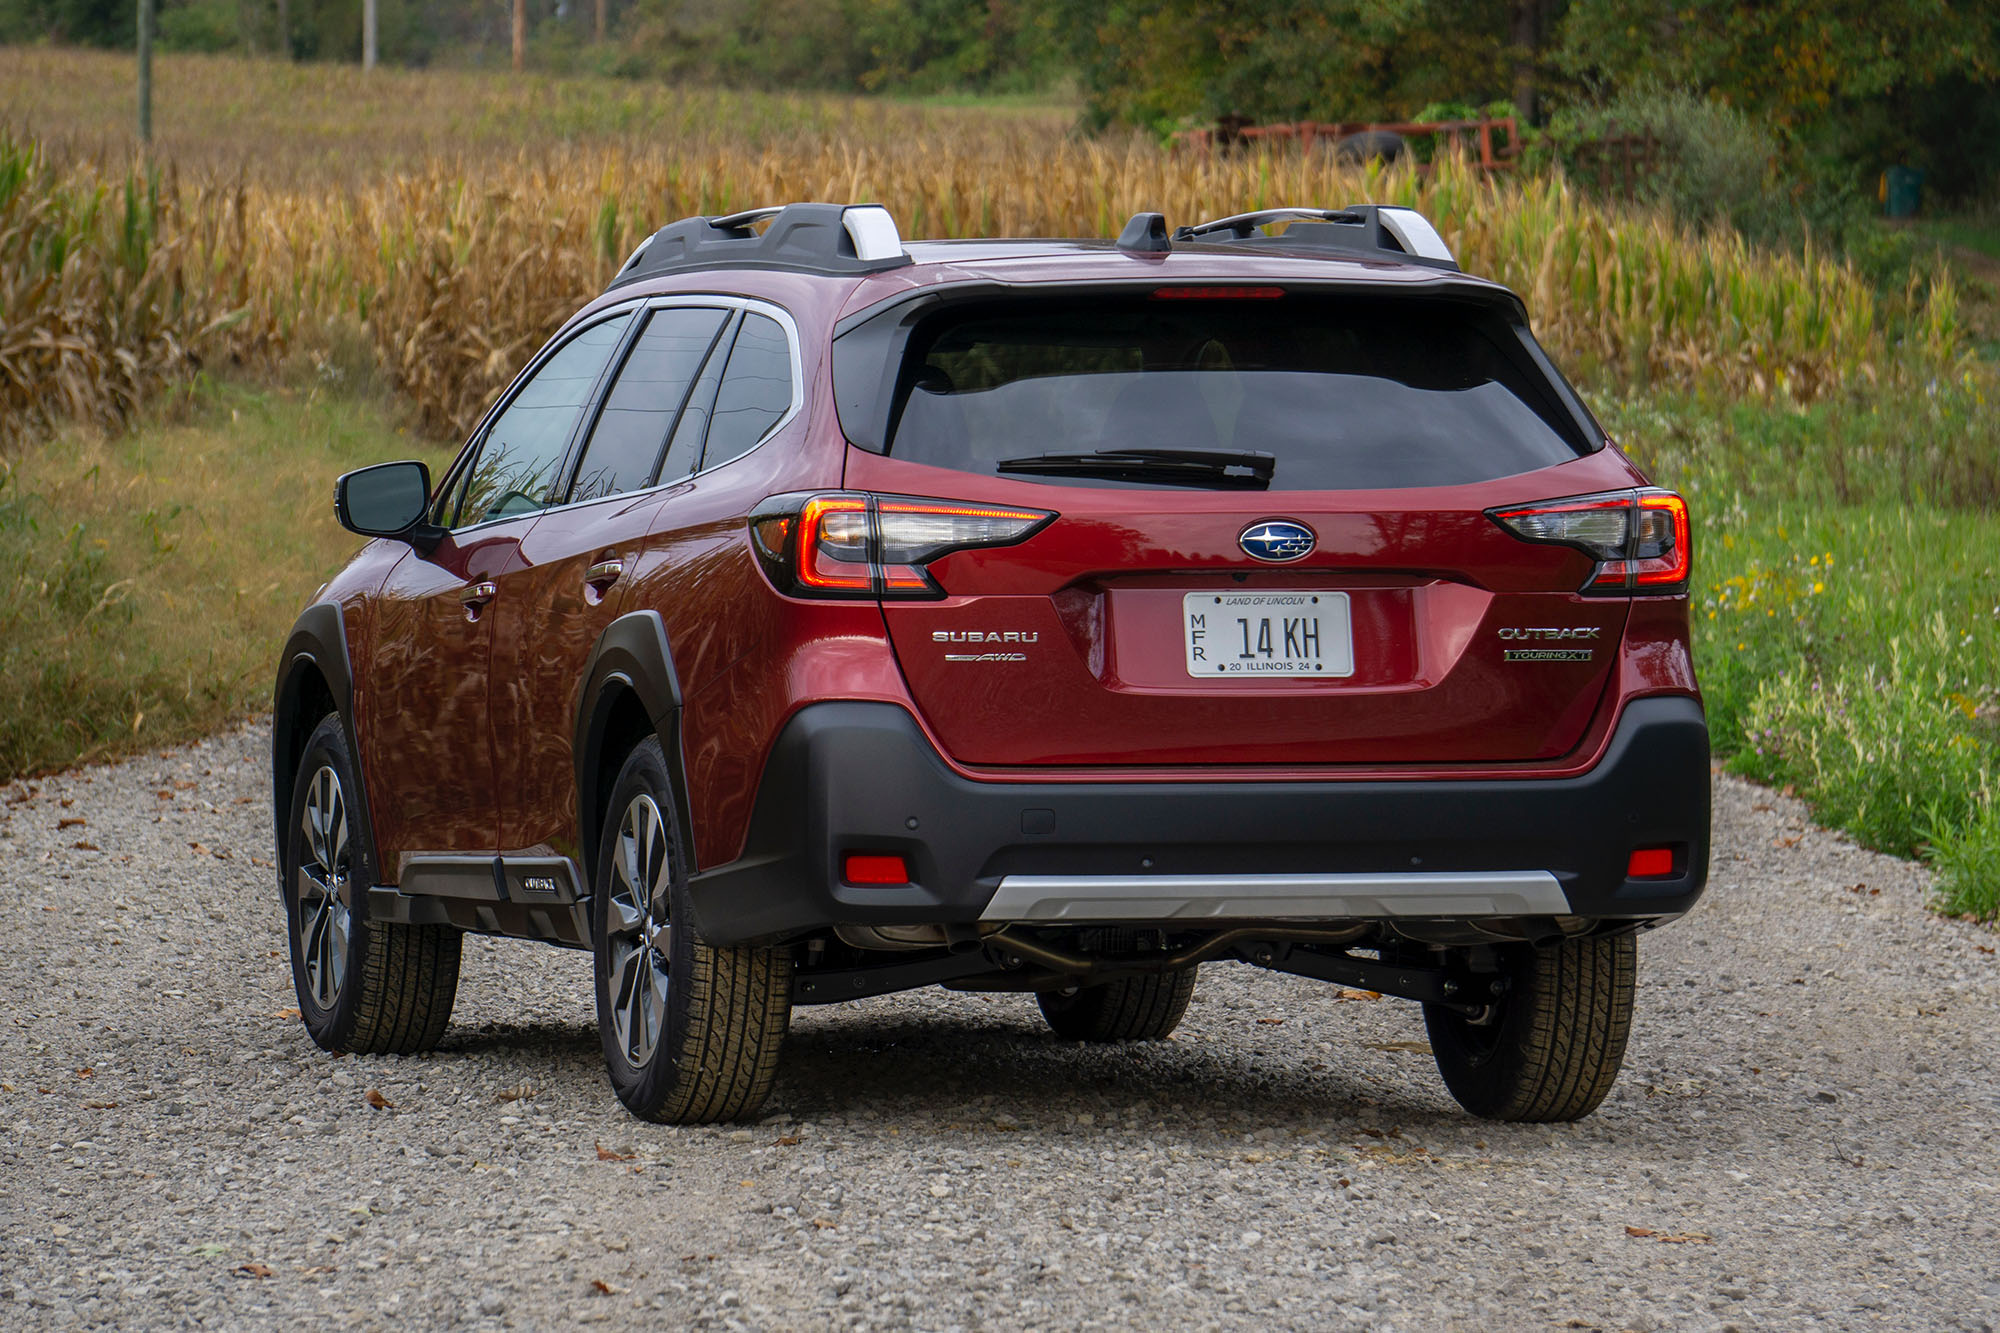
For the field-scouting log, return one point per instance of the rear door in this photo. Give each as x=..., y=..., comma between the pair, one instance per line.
x=1272, y=545
x=578, y=563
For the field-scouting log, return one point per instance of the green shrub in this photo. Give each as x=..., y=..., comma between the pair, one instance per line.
x=1967, y=858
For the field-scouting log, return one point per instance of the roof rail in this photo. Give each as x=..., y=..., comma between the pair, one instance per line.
x=1378, y=230
x=801, y=238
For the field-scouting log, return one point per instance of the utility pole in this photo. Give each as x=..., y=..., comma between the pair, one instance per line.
x=600, y=21
x=145, y=72
x=520, y=35
x=368, y=34
x=284, y=29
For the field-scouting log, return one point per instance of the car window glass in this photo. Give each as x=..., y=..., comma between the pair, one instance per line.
x=684, y=452
x=518, y=461
x=646, y=396
x=1340, y=393
x=756, y=390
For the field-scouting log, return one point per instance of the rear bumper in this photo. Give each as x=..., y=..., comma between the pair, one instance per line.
x=862, y=777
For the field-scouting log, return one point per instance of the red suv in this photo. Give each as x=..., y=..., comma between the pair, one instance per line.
x=819, y=616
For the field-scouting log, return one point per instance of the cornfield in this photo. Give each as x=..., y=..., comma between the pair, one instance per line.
x=118, y=280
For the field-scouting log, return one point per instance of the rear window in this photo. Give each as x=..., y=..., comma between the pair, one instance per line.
x=1339, y=392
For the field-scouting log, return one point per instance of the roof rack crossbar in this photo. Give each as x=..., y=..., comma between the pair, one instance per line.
x=1385, y=230
x=801, y=238
x=1244, y=224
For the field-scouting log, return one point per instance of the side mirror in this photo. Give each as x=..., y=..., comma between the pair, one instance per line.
x=387, y=500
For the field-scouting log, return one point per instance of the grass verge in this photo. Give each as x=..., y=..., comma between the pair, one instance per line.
x=147, y=579
x=1847, y=614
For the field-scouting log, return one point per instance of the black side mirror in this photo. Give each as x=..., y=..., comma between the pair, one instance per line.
x=387, y=500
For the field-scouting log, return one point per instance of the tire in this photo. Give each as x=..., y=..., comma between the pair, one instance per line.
x=1368, y=145
x=1551, y=1047
x=691, y=1032
x=364, y=988
x=1144, y=1008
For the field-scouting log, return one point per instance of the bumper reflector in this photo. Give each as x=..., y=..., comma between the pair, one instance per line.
x=862, y=868
x=1650, y=863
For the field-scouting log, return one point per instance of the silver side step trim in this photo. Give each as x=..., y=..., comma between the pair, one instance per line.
x=1275, y=897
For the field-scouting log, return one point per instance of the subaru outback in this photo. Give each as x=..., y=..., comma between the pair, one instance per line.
x=820, y=615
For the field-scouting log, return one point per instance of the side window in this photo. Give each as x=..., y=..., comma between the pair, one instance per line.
x=684, y=452
x=523, y=451
x=630, y=432
x=756, y=390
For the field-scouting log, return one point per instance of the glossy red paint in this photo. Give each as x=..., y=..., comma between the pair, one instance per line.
x=423, y=711
x=467, y=725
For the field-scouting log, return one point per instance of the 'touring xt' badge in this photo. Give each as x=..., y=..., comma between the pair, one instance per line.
x=1278, y=540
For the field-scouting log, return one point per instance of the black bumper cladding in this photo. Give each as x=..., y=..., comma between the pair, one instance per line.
x=862, y=777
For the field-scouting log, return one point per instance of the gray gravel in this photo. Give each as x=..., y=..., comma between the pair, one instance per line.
x=1805, y=1132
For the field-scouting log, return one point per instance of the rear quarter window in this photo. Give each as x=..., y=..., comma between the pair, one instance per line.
x=1342, y=392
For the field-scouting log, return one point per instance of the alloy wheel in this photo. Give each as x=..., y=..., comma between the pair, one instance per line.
x=638, y=934
x=325, y=921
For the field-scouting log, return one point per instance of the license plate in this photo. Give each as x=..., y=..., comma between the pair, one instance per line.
x=1268, y=634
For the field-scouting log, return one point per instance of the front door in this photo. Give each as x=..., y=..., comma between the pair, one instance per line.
x=431, y=730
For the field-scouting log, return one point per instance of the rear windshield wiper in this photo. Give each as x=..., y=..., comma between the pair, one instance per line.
x=1217, y=469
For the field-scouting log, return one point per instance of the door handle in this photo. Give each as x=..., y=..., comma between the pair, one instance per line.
x=605, y=573
x=475, y=598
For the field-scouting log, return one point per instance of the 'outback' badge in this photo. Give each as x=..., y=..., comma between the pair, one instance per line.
x=1277, y=540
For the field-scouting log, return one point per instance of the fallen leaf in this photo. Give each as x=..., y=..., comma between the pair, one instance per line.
x=70, y=821
x=1638, y=1231
x=86, y=846
x=100, y=1106
x=1345, y=994
x=605, y=1154
x=260, y=861
x=253, y=1270
x=788, y=1141
x=522, y=1093
x=375, y=1099
x=286, y=1013
x=1271, y=1022
x=1421, y=1047
x=823, y=1224
x=199, y=850
x=86, y=1072
x=1792, y=841
x=1983, y=948
x=600, y=1286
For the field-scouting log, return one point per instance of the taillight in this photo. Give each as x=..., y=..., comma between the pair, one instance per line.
x=1640, y=538
x=851, y=544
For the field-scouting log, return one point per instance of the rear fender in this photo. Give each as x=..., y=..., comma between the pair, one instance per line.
x=632, y=661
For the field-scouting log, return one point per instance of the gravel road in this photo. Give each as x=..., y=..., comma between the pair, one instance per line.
x=1807, y=1131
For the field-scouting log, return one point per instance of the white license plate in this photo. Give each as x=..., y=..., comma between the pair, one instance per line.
x=1268, y=634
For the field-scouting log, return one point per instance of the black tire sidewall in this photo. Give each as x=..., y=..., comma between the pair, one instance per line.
x=331, y=1027
x=644, y=773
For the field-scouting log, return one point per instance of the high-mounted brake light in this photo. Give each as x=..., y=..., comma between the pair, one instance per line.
x=1640, y=538
x=1217, y=293
x=851, y=544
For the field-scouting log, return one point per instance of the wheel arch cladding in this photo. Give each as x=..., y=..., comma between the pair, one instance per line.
x=630, y=691
x=314, y=679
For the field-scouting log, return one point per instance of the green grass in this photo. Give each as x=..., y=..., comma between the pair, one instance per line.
x=147, y=579
x=1847, y=612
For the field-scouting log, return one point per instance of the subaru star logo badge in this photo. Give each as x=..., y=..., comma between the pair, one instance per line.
x=1278, y=540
